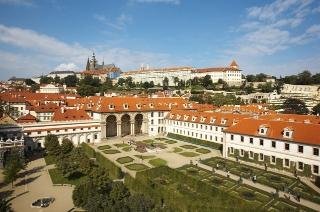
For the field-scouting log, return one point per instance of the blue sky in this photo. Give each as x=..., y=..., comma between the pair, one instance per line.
x=271, y=36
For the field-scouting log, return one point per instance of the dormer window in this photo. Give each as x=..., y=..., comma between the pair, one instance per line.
x=223, y=121
x=151, y=105
x=202, y=119
x=138, y=106
x=212, y=120
x=186, y=117
x=178, y=116
x=194, y=118
x=125, y=106
x=263, y=130
x=287, y=133
x=111, y=107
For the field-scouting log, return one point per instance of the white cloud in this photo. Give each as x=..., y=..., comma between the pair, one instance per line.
x=66, y=67
x=269, y=29
x=119, y=23
x=18, y=2
x=176, y=2
x=45, y=52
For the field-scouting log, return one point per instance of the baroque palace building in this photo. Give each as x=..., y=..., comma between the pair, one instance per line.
x=249, y=133
x=230, y=74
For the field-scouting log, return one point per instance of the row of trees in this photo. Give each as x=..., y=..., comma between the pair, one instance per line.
x=303, y=78
x=297, y=106
x=216, y=99
x=97, y=192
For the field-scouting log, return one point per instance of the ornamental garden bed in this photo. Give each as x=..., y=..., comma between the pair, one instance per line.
x=158, y=162
x=145, y=157
x=111, y=151
x=137, y=167
x=127, y=149
x=188, y=154
x=121, y=145
x=177, y=149
x=189, y=147
x=170, y=141
x=123, y=160
x=203, y=151
x=104, y=147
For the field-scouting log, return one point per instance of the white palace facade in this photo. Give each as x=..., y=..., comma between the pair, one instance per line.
x=230, y=74
x=248, y=133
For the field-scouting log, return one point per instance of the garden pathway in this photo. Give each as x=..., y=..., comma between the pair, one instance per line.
x=268, y=189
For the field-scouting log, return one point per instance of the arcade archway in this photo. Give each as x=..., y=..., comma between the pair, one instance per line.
x=138, y=124
x=111, y=126
x=125, y=125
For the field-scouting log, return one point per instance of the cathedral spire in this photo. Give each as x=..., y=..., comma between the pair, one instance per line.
x=88, y=65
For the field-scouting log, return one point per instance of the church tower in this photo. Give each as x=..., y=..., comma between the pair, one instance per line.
x=88, y=65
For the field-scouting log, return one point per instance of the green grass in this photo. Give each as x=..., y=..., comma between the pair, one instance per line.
x=148, y=141
x=136, y=167
x=124, y=160
x=57, y=178
x=170, y=142
x=158, y=162
x=49, y=159
x=203, y=151
x=189, y=154
x=127, y=149
x=145, y=157
x=177, y=149
x=111, y=151
x=104, y=147
x=121, y=145
x=188, y=147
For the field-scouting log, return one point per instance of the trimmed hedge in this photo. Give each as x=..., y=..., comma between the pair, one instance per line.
x=113, y=170
x=196, y=141
x=90, y=152
x=177, y=191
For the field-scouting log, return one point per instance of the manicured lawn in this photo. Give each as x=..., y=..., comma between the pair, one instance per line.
x=188, y=147
x=111, y=151
x=189, y=154
x=57, y=178
x=170, y=142
x=158, y=162
x=177, y=149
x=203, y=151
x=145, y=157
x=49, y=159
x=137, y=167
x=148, y=141
x=127, y=149
x=125, y=160
x=121, y=145
x=104, y=147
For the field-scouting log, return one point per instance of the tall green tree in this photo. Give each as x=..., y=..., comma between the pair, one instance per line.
x=46, y=80
x=13, y=166
x=294, y=106
x=70, y=80
x=316, y=109
x=66, y=146
x=165, y=83
x=52, y=145
x=5, y=205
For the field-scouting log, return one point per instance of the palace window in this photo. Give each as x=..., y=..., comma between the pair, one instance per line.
x=261, y=142
x=300, y=166
x=231, y=137
x=316, y=151
x=273, y=159
x=231, y=150
x=242, y=139
x=261, y=157
x=216, y=128
x=273, y=144
x=287, y=146
x=251, y=140
x=315, y=169
x=287, y=133
x=251, y=154
x=286, y=163
x=241, y=153
x=95, y=136
x=300, y=148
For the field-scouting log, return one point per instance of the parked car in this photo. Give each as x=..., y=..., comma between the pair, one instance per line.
x=42, y=202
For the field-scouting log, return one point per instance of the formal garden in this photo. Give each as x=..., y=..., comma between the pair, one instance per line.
x=268, y=178
x=94, y=188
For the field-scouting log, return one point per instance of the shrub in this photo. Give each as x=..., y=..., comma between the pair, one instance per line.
x=113, y=170
x=196, y=141
x=88, y=150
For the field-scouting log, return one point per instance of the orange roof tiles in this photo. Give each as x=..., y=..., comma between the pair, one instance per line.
x=27, y=119
x=70, y=115
x=302, y=133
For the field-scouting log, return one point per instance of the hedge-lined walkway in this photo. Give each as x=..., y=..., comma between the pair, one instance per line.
x=268, y=189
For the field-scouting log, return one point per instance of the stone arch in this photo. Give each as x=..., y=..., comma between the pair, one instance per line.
x=111, y=126
x=125, y=125
x=138, y=119
x=82, y=138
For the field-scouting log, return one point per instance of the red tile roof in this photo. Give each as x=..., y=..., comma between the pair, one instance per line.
x=70, y=115
x=302, y=133
x=27, y=119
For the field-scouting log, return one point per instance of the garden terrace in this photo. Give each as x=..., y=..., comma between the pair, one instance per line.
x=268, y=178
